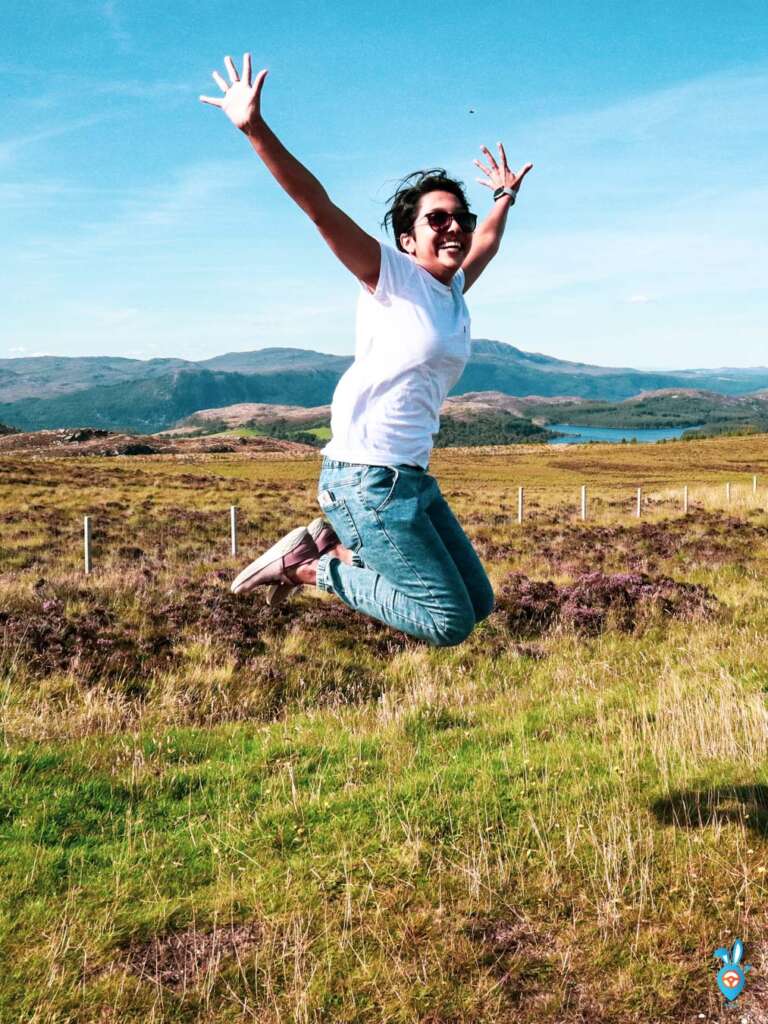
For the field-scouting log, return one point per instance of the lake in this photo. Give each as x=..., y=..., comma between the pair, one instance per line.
x=579, y=435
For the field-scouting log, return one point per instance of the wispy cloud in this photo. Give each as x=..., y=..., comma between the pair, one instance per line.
x=114, y=19
x=135, y=218
x=9, y=148
x=719, y=103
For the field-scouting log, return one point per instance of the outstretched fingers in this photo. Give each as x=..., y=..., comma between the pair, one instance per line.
x=522, y=174
x=229, y=64
x=491, y=157
x=258, y=83
x=240, y=100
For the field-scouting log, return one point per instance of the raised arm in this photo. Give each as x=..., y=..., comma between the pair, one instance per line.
x=487, y=237
x=358, y=251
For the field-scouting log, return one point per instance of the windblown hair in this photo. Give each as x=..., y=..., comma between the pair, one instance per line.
x=404, y=202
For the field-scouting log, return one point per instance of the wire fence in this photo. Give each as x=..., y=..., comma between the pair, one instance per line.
x=589, y=505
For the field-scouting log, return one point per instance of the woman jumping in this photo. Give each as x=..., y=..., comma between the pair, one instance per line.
x=388, y=544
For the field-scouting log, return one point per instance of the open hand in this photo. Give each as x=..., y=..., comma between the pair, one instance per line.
x=499, y=175
x=241, y=101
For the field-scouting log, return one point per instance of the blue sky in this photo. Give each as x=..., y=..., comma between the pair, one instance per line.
x=137, y=221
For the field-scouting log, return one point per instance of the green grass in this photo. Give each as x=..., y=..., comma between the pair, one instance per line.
x=545, y=828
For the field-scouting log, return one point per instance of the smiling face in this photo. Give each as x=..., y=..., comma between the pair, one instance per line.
x=440, y=252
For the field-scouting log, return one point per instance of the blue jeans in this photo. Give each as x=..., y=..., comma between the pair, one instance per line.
x=415, y=568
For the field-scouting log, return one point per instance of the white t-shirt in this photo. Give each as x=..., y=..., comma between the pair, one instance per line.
x=413, y=342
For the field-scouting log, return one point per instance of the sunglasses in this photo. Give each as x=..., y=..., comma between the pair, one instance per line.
x=440, y=220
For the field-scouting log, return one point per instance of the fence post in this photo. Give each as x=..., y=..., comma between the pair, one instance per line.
x=520, y=504
x=685, y=499
x=754, y=484
x=87, y=543
x=233, y=527
x=639, y=502
x=583, y=501
x=728, y=492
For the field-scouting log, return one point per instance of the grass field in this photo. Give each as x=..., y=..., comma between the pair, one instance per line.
x=210, y=811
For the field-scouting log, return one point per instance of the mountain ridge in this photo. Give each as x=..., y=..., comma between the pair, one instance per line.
x=51, y=392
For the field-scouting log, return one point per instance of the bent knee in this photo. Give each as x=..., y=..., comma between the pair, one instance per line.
x=454, y=629
x=484, y=604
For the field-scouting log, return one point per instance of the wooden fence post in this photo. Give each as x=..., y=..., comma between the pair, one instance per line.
x=639, y=511
x=233, y=527
x=584, y=501
x=87, y=543
x=520, y=504
x=754, y=484
x=728, y=492
x=685, y=499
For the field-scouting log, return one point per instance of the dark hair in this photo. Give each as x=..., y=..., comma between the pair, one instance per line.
x=404, y=202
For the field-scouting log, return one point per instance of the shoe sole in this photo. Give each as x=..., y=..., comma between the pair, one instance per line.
x=279, y=592
x=283, y=546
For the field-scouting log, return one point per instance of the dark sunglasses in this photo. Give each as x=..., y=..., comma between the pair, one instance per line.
x=440, y=220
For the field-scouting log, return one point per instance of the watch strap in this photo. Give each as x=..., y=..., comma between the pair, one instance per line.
x=505, y=190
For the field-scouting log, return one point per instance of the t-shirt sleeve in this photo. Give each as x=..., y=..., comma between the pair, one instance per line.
x=396, y=275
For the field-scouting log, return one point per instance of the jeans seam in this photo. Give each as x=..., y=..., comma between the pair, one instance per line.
x=414, y=572
x=324, y=572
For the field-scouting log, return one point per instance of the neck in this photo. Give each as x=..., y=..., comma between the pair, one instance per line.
x=443, y=276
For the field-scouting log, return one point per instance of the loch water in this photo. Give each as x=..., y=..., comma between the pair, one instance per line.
x=580, y=435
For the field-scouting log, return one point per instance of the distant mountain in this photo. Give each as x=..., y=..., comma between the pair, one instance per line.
x=681, y=407
x=147, y=396
x=149, y=404
x=48, y=376
x=268, y=360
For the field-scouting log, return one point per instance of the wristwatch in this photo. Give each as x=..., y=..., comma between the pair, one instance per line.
x=505, y=191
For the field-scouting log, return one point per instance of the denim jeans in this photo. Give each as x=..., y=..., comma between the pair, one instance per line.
x=415, y=568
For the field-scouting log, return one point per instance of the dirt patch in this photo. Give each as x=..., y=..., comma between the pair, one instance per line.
x=502, y=935
x=521, y=957
x=181, y=960
x=596, y=601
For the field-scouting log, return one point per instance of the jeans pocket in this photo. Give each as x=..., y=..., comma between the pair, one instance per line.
x=336, y=511
x=377, y=487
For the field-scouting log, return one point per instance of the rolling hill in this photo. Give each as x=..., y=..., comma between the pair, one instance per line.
x=148, y=396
